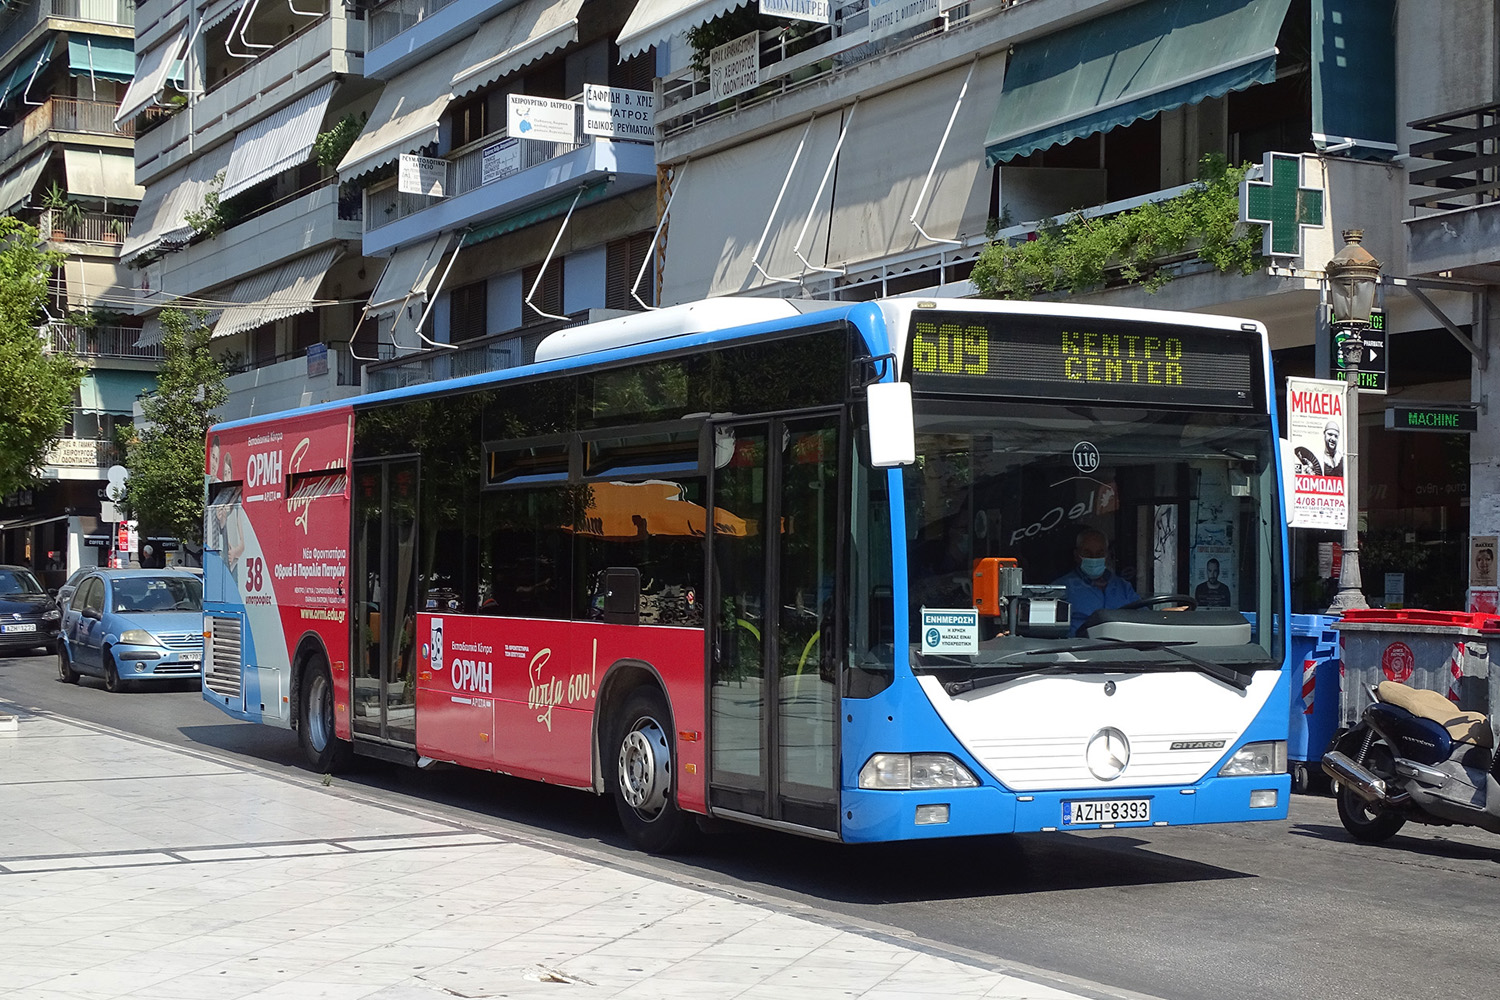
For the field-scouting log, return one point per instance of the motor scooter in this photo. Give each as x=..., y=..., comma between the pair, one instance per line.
x=1415, y=756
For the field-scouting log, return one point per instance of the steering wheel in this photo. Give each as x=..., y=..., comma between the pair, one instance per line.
x=1155, y=599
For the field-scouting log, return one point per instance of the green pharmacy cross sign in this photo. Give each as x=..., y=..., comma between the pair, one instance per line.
x=1282, y=204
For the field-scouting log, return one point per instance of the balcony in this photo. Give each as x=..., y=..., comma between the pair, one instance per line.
x=547, y=171
x=27, y=17
x=64, y=114
x=286, y=383
x=1456, y=183
x=89, y=227
x=102, y=342
x=424, y=26
x=328, y=48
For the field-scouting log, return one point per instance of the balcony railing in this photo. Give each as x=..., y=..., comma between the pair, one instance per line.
x=246, y=66
x=25, y=17
x=389, y=20
x=63, y=114
x=386, y=205
x=102, y=342
x=90, y=227
x=1466, y=156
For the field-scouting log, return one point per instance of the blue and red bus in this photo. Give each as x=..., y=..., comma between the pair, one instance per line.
x=861, y=571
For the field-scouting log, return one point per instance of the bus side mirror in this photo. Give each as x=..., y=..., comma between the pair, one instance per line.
x=893, y=438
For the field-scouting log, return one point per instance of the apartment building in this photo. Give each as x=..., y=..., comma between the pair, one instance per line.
x=66, y=168
x=805, y=148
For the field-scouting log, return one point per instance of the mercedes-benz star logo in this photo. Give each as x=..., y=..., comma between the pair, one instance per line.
x=1107, y=754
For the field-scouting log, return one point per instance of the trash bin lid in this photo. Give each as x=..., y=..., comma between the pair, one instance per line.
x=1399, y=619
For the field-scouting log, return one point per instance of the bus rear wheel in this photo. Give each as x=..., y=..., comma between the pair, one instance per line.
x=645, y=795
x=325, y=752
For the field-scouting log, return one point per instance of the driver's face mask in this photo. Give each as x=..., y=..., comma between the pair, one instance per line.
x=1092, y=567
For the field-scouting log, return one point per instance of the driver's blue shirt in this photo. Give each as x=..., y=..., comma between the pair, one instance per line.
x=1085, y=596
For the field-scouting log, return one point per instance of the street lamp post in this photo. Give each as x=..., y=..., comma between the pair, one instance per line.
x=1353, y=276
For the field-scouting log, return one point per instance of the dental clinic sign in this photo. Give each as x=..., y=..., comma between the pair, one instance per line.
x=816, y=11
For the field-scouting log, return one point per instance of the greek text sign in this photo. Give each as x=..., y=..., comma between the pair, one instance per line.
x=816, y=11
x=541, y=118
x=950, y=630
x=421, y=175
x=618, y=113
x=500, y=160
x=1316, y=496
x=890, y=16
x=734, y=67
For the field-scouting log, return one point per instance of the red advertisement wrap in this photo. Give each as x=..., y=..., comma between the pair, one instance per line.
x=282, y=542
x=517, y=695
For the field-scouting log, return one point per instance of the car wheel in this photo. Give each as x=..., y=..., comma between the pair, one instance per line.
x=65, y=671
x=112, y=682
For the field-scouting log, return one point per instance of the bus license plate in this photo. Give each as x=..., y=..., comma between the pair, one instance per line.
x=1082, y=811
x=23, y=627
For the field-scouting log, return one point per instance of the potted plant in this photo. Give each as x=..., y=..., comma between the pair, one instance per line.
x=55, y=202
x=115, y=231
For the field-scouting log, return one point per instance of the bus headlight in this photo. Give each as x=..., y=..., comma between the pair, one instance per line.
x=1256, y=758
x=902, y=771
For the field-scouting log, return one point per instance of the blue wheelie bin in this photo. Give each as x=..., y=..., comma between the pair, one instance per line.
x=1315, y=697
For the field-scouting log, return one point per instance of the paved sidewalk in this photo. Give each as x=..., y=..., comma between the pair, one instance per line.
x=133, y=869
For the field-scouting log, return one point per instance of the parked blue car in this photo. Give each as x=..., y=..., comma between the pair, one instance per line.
x=127, y=625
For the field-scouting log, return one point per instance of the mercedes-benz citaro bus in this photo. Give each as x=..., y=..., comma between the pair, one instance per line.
x=861, y=571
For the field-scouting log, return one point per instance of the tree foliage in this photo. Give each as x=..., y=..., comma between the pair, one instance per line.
x=1082, y=253
x=165, y=455
x=36, y=387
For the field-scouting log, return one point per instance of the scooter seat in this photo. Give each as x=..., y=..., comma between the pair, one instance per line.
x=1465, y=727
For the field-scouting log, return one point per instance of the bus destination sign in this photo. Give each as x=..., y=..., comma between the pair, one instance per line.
x=1074, y=358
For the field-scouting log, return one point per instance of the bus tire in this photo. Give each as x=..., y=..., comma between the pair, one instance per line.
x=642, y=775
x=325, y=752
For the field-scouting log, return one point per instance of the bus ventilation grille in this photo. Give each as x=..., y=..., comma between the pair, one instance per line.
x=223, y=667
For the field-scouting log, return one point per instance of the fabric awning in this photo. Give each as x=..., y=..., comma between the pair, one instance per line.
x=96, y=283
x=654, y=21
x=406, y=117
x=1131, y=64
x=18, y=186
x=105, y=58
x=25, y=69
x=704, y=261
x=520, y=35
x=161, y=217
x=102, y=173
x=408, y=274
x=275, y=294
x=152, y=72
x=875, y=193
x=150, y=332
x=275, y=143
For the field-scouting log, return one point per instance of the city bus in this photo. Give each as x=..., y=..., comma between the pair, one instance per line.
x=850, y=570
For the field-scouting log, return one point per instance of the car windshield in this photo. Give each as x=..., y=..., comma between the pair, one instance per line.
x=15, y=582
x=1083, y=509
x=157, y=593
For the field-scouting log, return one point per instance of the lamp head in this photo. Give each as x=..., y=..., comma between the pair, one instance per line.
x=1353, y=276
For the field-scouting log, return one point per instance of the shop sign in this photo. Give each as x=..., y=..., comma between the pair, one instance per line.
x=1374, y=362
x=422, y=175
x=617, y=113
x=816, y=11
x=543, y=118
x=1442, y=419
x=734, y=67
x=500, y=160
x=890, y=16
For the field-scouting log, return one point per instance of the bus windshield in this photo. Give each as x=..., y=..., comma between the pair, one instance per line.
x=1081, y=512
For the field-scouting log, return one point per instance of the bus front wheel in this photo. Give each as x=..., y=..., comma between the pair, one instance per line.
x=325, y=752
x=644, y=772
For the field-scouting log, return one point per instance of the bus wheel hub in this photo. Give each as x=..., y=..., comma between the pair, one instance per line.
x=645, y=768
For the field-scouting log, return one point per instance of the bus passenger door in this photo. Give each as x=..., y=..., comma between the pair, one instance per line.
x=383, y=577
x=772, y=621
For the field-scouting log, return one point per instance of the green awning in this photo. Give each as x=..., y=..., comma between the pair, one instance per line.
x=21, y=75
x=531, y=216
x=1353, y=78
x=1129, y=65
x=104, y=58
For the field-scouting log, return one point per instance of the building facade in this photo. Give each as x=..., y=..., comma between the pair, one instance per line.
x=479, y=197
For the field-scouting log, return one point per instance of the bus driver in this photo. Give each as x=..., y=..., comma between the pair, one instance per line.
x=1090, y=584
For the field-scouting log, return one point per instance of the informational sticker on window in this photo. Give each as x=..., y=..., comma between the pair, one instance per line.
x=734, y=67
x=950, y=630
x=543, y=118
x=500, y=160
x=421, y=175
x=619, y=113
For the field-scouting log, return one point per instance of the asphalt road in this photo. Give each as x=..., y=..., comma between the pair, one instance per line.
x=1269, y=911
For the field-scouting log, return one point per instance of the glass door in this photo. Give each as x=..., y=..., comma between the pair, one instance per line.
x=383, y=581
x=773, y=648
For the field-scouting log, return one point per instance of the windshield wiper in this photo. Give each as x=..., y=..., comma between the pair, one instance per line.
x=1219, y=671
x=1229, y=675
